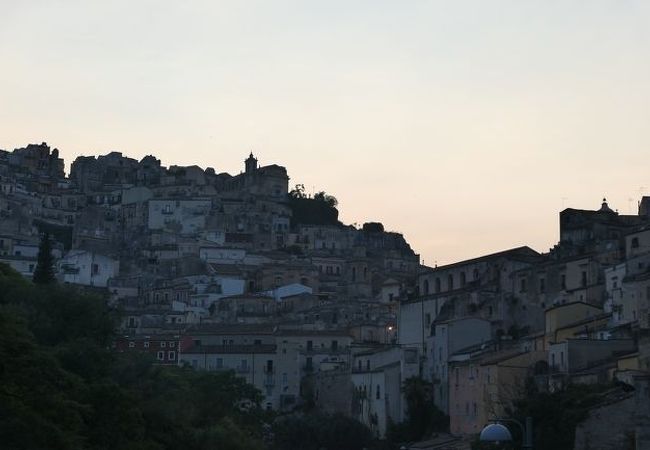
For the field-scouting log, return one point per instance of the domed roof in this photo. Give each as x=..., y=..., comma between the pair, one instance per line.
x=605, y=208
x=495, y=432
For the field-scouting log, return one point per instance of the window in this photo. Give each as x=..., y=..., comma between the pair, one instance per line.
x=378, y=393
x=367, y=364
x=146, y=344
x=635, y=242
x=95, y=269
x=365, y=273
x=522, y=285
x=131, y=344
x=219, y=363
x=161, y=356
x=310, y=345
x=172, y=344
x=426, y=287
x=171, y=356
x=163, y=344
x=563, y=281
x=31, y=268
x=438, y=285
x=450, y=282
x=257, y=342
x=542, y=285
x=584, y=279
x=427, y=318
x=354, y=274
x=462, y=279
x=335, y=345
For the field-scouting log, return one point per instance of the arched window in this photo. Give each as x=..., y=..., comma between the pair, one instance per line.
x=438, y=288
x=354, y=274
x=450, y=282
x=426, y=287
x=462, y=279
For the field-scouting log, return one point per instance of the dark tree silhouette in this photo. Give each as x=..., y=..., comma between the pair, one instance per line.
x=44, y=273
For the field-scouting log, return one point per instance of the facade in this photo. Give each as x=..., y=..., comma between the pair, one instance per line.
x=87, y=268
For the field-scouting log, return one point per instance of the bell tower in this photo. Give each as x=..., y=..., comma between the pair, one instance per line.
x=251, y=163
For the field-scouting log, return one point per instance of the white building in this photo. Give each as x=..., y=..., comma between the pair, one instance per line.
x=184, y=216
x=449, y=337
x=87, y=268
x=378, y=376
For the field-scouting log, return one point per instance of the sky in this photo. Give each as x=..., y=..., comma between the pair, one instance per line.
x=465, y=125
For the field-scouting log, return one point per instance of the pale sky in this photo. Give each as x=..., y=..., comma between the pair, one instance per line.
x=465, y=125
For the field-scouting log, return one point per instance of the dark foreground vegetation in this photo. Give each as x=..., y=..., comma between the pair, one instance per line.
x=62, y=387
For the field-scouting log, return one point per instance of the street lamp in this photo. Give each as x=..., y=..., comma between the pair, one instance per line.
x=497, y=433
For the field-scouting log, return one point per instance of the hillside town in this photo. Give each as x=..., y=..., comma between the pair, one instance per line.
x=243, y=273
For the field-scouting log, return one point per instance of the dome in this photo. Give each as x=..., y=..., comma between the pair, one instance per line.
x=605, y=207
x=495, y=433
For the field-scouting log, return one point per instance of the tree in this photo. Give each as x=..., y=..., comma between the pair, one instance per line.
x=317, y=431
x=423, y=417
x=556, y=414
x=62, y=388
x=44, y=273
x=298, y=191
x=330, y=200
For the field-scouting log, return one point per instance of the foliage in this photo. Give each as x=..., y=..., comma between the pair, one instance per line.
x=373, y=227
x=44, y=272
x=423, y=417
x=556, y=415
x=330, y=200
x=320, y=210
x=317, y=431
x=298, y=192
x=61, y=387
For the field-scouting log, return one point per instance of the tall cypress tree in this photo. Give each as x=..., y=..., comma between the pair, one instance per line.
x=44, y=273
